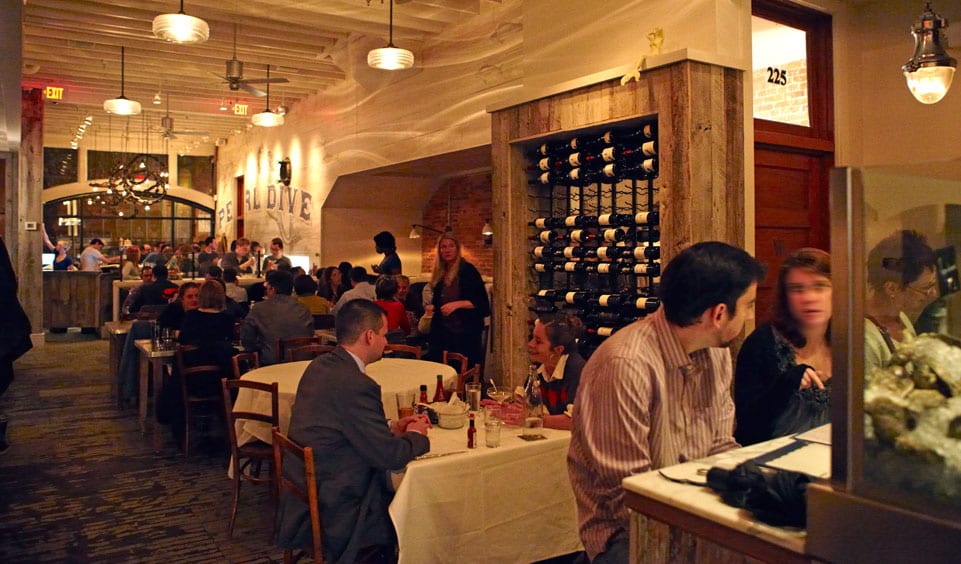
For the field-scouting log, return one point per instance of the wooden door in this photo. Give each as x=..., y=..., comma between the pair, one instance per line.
x=793, y=149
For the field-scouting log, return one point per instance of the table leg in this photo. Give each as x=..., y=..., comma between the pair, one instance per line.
x=158, y=371
x=142, y=396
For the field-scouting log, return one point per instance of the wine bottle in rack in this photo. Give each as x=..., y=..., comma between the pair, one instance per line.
x=547, y=222
x=615, y=172
x=580, y=221
x=648, y=304
x=629, y=219
x=551, y=294
x=643, y=234
x=579, y=297
x=552, y=177
x=551, y=149
x=579, y=252
x=545, y=267
x=545, y=164
x=576, y=267
x=645, y=251
x=603, y=332
x=644, y=269
x=644, y=132
x=613, y=235
x=613, y=253
x=546, y=251
x=550, y=237
x=613, y=300
x=583, y=235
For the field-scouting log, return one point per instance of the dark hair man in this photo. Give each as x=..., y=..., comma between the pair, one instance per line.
x=280, y=316
x=91, y=257
x=240, y=258
x=159, y=292
x=208, y=256
x=276, y=258
x=361, y=288
x=657, y=392
x=339, y=413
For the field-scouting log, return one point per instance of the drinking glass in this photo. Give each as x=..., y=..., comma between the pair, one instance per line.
x=492, y=432
x=473, y=395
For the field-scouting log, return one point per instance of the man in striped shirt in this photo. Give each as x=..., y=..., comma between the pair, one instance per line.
x=657, y=392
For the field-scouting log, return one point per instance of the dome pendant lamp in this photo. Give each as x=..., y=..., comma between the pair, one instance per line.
x=267, y=118
x=180, y=28
x=121, y=105
x=390, y=57
x=930, y=70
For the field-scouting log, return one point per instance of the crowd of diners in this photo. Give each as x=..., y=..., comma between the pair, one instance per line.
x=623, y=405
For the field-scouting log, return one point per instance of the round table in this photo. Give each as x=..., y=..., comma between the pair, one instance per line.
x=394, y=375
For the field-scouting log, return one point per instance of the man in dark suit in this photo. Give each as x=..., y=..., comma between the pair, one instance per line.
x=339, y=413
x=158, y=292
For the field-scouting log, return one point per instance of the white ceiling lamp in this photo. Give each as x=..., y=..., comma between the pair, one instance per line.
x=180, y=28
x=121, y=105
x=267, y=118
x=930, y=70
x=390, y=57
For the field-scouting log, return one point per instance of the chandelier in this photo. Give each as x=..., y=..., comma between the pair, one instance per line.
x=139, y=181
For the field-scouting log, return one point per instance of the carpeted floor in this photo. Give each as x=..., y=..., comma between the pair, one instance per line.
x=81, y=484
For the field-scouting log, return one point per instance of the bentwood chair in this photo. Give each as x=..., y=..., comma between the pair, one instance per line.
x=285, y=446
x=400, y=351
x=451, y=357
x=245, y=362
x=307, y=352
x=283, y=345
x=197, y=385
x=252, y=454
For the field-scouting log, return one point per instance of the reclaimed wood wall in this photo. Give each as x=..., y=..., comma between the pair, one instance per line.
x=701, y=183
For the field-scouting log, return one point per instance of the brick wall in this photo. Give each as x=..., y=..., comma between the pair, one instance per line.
x=470, y=208
x=786, y=104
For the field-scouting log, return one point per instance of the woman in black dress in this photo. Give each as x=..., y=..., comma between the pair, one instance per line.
x=782, y=380
x=459, y=306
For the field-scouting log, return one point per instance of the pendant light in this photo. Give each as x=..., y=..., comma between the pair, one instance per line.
x=121, y=105
x=930, y=70
x=267, y=118
x=180, y=28
x=390, y=57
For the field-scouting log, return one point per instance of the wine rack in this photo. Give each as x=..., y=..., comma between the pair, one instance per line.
x=595, y=226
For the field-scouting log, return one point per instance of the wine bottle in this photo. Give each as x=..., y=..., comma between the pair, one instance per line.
x=581, y=176
x=600, y=331
x=645, y=269
x=613, y=300
x=546, y=164
x=550, y=149
x=613, y=235
x=647, y=304
x=628, y=219
x=643, y=235
x=580, y=221
x=553, y=177
x=579, y=252
x=645, y=251
x=586, y=143
x=577, y=266
x=545, y=251
x=550, y=294
x=550, y=237
x=613, y=253
x=547, y=222
x=582, y=236
x=580, y=297
x=645, y=132
x=544, y=267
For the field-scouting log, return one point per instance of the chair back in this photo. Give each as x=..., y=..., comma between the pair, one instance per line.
x=245, y=362
x=283, y=345
x=231, y=417
x=324, y=321
x=190, y=371
x=403, y=351
x=452, y=357
x=285, y=446
x=307, y=352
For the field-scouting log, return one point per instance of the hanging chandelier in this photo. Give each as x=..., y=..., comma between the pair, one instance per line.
x=180, y=28
x=390, y=57
x=930, y=70
x=267, y=118
x=121, y=105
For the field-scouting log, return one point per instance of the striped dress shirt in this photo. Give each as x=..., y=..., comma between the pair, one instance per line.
x=642, y=404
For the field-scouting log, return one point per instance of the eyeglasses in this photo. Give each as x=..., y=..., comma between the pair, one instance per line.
x=927, y=291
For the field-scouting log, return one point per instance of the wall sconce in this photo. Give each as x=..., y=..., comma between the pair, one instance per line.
x=930, y=70
x=284, y=171
x=415, y=230
x=488, y=233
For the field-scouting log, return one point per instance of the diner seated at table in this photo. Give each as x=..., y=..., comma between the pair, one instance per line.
x=235, y=291
x=279, y=316
x=146, y=277
x=553, y=347
x=131, y=264
x=339, y=413
x=207, y=256
x=360, y=288
x=328, y=281
x=188, y=299
x=306, y=290
x=211, y=329
x=398, y=324
x=239, y=257
x=158, y=292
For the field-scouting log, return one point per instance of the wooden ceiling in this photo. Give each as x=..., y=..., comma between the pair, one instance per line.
x=76, y=44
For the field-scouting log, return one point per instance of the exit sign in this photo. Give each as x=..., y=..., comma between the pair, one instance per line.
x=53, y=93
x=240, y=109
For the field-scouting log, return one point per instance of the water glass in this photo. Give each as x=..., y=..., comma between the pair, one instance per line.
x=492, y=432
x=473, y=395
x=405, y=403
x=533, y=426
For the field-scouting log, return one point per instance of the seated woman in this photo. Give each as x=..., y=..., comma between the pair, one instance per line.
x=63, y=261
x=782, y=381
x=553, y=347
x=902, y=281
x=398, y=324
x=131, y=266
x=329, y=284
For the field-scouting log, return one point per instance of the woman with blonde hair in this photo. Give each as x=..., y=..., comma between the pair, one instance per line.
x=459, y=304
x=131, y=265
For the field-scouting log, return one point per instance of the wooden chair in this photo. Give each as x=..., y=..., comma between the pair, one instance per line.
x=253, y=453
x=308, y=494
x=307, y=352
x=204, y=405
x=283, y=345
x=450, y=357
x=416, y=352
x=245, y=362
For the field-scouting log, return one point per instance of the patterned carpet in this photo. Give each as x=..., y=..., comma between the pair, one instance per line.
x=81, y=484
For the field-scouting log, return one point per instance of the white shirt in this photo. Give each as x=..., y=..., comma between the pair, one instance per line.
x=90, y=259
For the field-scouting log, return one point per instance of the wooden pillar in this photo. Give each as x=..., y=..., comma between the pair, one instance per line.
x=701, y=183
x=29, y=209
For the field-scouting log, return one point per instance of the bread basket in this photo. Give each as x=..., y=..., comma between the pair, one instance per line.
x=451, y=416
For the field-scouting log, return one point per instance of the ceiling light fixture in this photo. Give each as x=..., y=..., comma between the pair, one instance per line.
x=223, y=104
x=267, y=118
x=121, y=105
x=180, y=28
x=157, y=100
x=390, y=57
x=930, y=70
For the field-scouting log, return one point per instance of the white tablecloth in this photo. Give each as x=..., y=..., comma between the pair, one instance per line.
x=508, y=504
x=394, y=375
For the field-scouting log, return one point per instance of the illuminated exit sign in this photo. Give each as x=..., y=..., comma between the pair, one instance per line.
x=53, y=93
x=240, y=109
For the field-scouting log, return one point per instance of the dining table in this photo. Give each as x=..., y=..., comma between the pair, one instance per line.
x=394, y=375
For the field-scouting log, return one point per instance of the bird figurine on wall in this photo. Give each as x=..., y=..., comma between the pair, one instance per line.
x=655, y=39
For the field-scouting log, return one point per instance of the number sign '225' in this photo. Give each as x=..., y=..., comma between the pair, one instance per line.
x=776, y=76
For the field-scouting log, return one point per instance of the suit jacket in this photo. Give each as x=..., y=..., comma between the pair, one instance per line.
x=339, y=413
x=157, y=292
x=280, y=317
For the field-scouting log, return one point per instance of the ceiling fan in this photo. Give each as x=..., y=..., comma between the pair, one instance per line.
x=234, y=76
x=167, y=130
